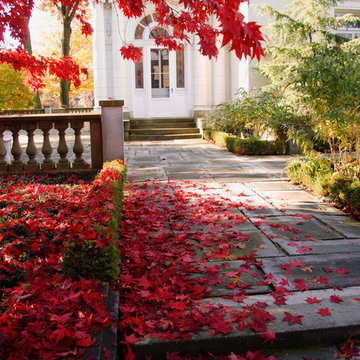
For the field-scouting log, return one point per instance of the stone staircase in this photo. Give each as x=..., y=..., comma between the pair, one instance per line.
x=163, y=129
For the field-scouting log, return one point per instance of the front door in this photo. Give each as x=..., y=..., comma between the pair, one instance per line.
x=160, y=82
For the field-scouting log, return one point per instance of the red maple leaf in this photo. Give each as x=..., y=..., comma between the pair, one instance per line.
x=322, y=280
x=301, y=285
x=324, y=312
x=292, y=319
x=335, y=299
x=85, y=342
x=341, y=271
x=275, y=225
x=313, y=300
x=304, y=249
x=269, y=336
x=297, y=263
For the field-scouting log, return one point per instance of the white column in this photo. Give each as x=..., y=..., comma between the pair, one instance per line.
x=219, y=78
x=99, y=52
x=240, y=74
x=122, y=69
x=201, y=79
x=108, y=30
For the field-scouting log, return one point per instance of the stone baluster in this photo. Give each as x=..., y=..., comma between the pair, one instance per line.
x=17, y=165
x=79, y=162
x=47, y=149
x=31, y=149
x=3, y=151
x=62, y=149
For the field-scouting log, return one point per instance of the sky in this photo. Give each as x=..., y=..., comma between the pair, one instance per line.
x=40, y=22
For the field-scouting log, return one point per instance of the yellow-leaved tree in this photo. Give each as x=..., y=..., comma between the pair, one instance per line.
x=49, y=43
x=13, y=93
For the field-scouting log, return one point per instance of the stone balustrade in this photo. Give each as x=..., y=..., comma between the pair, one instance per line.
x=59, y=140
x=47, y=110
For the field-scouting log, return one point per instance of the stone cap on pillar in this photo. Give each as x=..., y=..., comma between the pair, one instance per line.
x=111, y=103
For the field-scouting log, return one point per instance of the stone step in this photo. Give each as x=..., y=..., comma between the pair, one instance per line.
x=315, y=329
x=155, y=125
x=164, y=137
x=160, y=121
x=164, y=131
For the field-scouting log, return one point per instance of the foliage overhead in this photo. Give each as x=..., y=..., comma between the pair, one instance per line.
x=244, y=38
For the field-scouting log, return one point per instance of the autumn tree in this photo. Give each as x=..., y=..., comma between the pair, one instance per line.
x=244, y=38
x=81, y=51
x=13, y=93
x=316, y=72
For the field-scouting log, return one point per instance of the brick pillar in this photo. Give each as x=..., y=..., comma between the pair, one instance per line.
x=112, y=129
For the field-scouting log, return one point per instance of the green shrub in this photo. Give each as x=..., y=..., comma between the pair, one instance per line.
x=207, y=134
x=319, y=176
x=84, y=260
x=227, y=118
x=247, y=146
x=219, y=137
x=91, y=251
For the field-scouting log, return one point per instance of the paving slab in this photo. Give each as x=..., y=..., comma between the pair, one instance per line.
x=254, y=206
x=297, y=228
x=228, y=275
x=240, y=189
x=277, y=185
x=255, y=241
x=341, y=270
x=312, y=208
x=284, y=197
x=318, y=246
x=314, y=330
x=344, y=225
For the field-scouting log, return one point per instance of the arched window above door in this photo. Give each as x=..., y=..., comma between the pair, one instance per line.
x=155, y=31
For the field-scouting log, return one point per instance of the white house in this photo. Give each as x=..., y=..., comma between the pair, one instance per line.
x=169, y=84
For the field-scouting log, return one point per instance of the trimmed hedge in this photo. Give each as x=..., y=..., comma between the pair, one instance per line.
x=247, y=146
x=91, y=251
x=319, y=176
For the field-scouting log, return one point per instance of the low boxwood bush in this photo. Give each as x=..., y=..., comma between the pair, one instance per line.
x=91, y=250
x=319, y=176
x=247, y=146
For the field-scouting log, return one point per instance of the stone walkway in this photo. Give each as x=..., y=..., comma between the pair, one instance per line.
x=327, y=244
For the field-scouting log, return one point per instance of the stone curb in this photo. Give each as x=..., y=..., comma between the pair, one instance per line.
x=106, y=338
x=315, y=329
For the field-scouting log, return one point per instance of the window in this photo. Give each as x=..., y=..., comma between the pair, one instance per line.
x=146, y=21
x=180, y=78
x=139, y=74
x=351, y=30
x=160, y=73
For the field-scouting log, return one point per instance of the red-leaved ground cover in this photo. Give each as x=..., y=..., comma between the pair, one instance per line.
x=42, y=315
x=169, y=235
x=176, y=240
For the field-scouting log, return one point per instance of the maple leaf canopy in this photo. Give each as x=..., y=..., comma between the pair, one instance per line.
x=194, y=17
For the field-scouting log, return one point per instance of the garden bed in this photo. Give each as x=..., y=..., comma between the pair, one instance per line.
x=45, y=314
x=319, y=176
x=247, y=146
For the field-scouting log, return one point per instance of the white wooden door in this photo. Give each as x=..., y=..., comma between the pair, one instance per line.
x=160, y=82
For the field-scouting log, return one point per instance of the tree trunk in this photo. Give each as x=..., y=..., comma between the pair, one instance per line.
x=65, y=48
x=28, y=48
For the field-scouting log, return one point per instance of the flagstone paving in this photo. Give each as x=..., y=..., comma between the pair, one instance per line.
x=286, y=225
